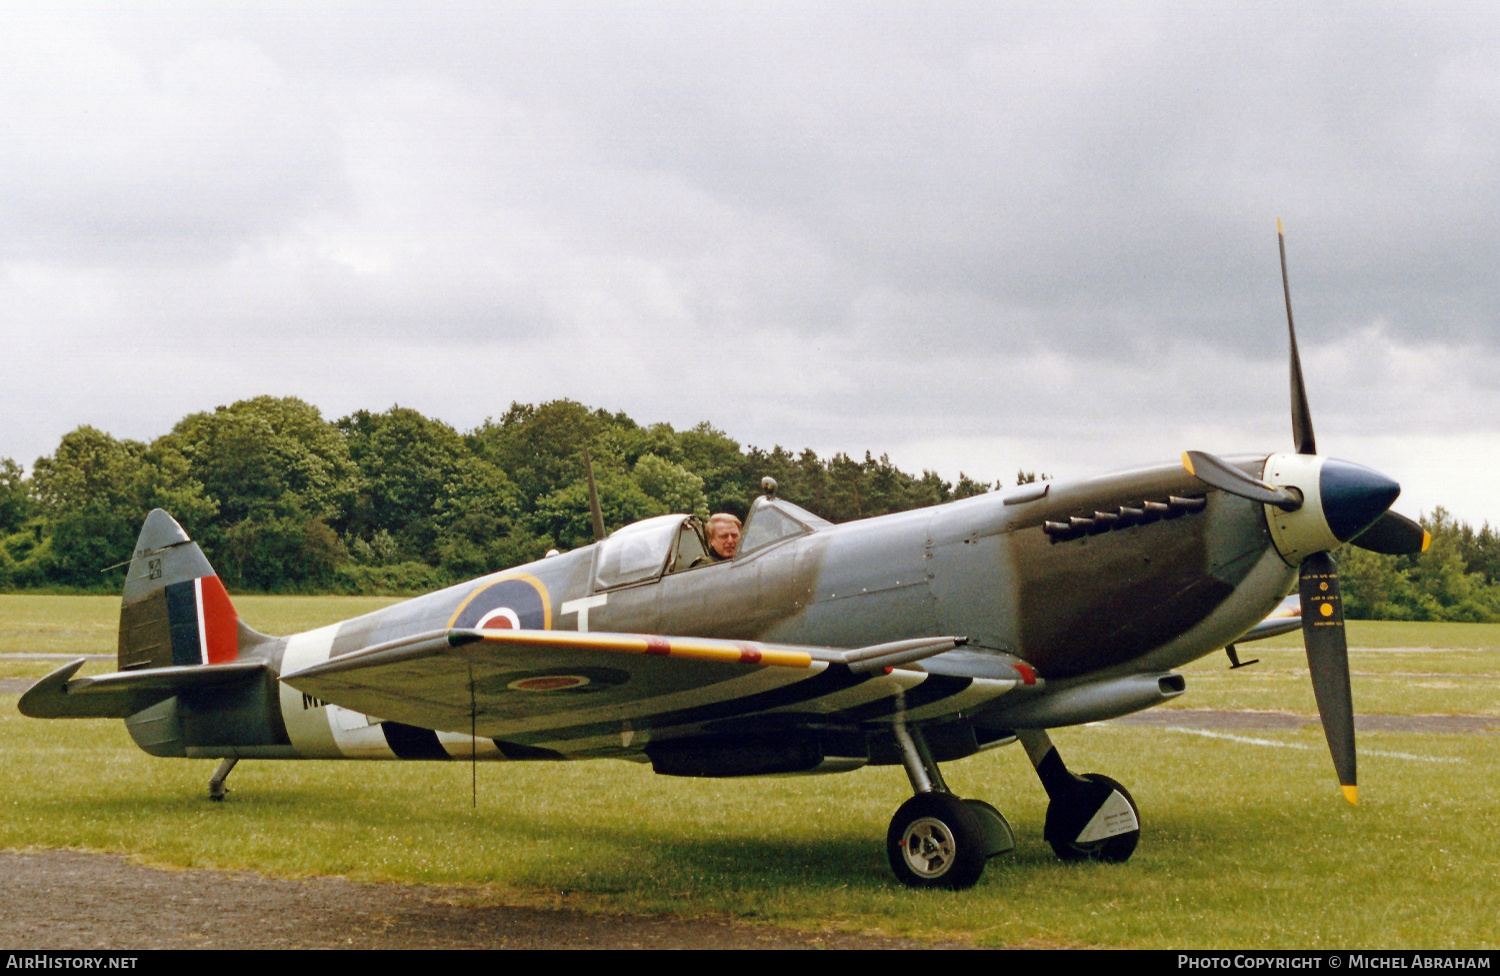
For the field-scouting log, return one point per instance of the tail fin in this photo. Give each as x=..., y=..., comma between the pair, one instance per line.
x=175, y=611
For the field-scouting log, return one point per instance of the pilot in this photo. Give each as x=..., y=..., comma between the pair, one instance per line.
x=723, y=536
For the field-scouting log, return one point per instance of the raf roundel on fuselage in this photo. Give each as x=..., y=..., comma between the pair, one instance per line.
x=514, y=603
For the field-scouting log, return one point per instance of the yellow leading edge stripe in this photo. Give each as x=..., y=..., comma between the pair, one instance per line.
x=699, y=649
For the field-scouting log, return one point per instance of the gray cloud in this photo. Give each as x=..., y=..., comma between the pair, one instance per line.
x=1022, y=235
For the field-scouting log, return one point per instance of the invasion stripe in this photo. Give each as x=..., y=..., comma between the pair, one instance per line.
x=410, y=742
x=824, y=683
x=980, y=693
x=879, y=687
x=936, y=688
x=464, y=746
x=749, y=683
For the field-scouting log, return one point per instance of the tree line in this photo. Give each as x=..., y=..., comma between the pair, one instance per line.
x=284, y=500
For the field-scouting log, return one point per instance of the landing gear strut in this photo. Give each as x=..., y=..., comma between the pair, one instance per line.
x=1089, y=818
x=936, y=839
x=216, y=787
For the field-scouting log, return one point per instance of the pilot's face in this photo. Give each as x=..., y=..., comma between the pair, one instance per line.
x=724, y=538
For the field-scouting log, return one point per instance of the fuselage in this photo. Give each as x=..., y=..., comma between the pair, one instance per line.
x=1163, y=587
x=1085, y=581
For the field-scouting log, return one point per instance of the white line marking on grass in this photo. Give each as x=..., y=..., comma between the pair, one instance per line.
x=1297, y=745
x=1409, y=755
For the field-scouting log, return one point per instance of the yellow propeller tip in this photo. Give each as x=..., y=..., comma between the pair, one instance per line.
x=1187, y=464
x=1426, y=540
x=1278, y=225
x=1351, y=793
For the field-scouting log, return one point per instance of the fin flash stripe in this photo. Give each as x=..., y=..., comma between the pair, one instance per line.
x=204, y=627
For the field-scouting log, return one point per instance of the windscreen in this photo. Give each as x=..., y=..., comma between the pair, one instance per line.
x=767, y=525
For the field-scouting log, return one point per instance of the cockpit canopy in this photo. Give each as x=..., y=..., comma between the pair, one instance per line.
x=644, y=551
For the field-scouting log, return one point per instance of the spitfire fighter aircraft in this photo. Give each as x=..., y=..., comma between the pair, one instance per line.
x=914, y=638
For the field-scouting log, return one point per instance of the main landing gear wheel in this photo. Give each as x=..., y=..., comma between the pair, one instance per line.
x=1080, y=829
x=936, y=841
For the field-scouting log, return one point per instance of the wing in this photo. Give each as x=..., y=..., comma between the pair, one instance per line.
x=1286, y=618
x=578, y=693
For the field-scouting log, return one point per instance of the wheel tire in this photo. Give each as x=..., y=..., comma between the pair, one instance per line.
x=936, y=842
x=1111, y=850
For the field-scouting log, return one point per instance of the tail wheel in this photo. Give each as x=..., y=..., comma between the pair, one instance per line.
x=934, y=841
x=1113, y=849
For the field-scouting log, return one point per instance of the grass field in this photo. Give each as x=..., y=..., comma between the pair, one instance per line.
x=1244, y=843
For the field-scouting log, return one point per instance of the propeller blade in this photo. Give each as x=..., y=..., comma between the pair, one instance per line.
x=1328, y=660
x=1302, y=429
x=1394, y=535
x=1226, y=477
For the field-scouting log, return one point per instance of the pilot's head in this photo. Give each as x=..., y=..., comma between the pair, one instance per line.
x=723, y=534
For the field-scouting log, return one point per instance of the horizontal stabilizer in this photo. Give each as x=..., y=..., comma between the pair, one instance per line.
x=122, y=694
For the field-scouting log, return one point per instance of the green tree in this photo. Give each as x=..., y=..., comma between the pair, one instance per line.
x=967, y=487
x=268, y=458
x=95, y=490
x=541, y=448
x=1445, y=589
x=409, y=465
x=675, y=487
x=282, y=478
x=713, y=456
x=15, y=497
x=476, y=515
x=1434, y=585
x=281, y=553
x=1374, y=586
x=564, y=515
x=1481, y=552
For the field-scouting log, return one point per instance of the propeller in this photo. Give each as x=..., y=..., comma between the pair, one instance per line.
x=1318, y=586
x=1394, y=535
x=1315, y=505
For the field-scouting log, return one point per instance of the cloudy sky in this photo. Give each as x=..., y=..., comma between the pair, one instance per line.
x=975, y=236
